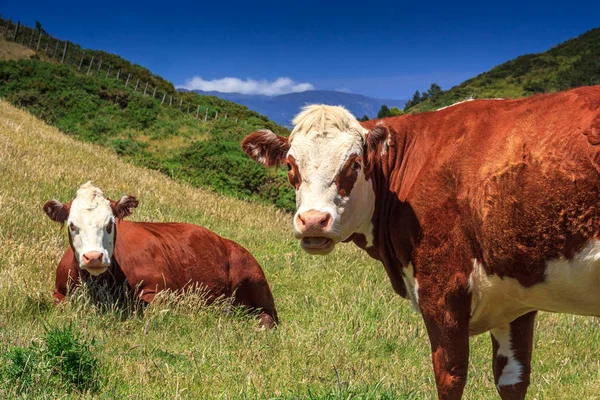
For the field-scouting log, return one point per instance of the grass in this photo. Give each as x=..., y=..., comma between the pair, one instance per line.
x=343, y=333
x=13, y=51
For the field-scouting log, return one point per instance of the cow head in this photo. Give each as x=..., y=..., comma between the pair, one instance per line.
x=326, y=155
x=90, y=217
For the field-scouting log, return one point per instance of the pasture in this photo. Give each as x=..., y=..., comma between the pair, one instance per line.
x=343, y=333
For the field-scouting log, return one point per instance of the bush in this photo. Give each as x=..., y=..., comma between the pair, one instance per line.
x=64, y=360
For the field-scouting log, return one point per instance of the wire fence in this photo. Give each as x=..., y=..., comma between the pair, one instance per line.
x=65, y=52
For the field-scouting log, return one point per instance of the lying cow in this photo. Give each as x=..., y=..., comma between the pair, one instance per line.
x=152, y=257
x=482, y=213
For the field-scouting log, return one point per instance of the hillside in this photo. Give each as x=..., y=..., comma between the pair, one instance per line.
x=283, y=108
x=202, y=149
x=573, y=63
x=343, y=332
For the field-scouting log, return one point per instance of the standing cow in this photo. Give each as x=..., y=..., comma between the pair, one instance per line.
x=482, y=213
x=152, y=257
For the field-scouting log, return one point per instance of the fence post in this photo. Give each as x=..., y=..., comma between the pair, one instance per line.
x=180, y=103
x=80, y=63
x=7, y=28
x=225, y=115
x=90, y=66
x=99, y=66
x=16, y=31
x=31, y=39
x=198, y=112
x=216, y=114
x=127, y=81
x=188, y=110
x=118, y=74
x=39, y=41
x=154, y=94
x=23, y=38
x=55, y=49
x=171, y=101
x=107, y=71
x=145, y=87
x=236, y=120
x=64, y=54
x=136, y=85
x=47, y=43
x=206, y=115
x=163, y=100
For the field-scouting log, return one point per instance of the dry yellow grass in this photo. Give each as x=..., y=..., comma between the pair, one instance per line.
x=14, y=51
x=344, y=334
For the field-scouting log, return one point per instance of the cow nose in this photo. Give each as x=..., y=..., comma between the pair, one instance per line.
x=314, y=221
x=92, y=256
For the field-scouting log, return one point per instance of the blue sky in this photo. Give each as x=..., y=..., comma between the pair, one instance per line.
x=377, y=48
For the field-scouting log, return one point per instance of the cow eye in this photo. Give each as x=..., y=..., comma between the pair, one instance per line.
x=109, y=227
x=356, y=165
x=289, y=166
x=72, y=227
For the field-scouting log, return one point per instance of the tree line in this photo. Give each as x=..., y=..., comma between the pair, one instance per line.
x=434, y=92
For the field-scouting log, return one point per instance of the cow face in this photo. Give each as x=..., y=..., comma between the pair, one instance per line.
x=90, y=219
x=326, y=157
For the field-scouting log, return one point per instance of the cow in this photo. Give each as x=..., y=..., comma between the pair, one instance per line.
x=150, y=257
x=482, y=213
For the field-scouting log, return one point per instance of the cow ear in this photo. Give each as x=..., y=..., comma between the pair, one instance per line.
x=377, y=136
x=376, y=143
x=266, y=147
x=124, y=207
x=57, y=211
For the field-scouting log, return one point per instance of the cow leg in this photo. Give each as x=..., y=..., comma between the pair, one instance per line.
x=513, y=346
x=250, y=287
x=446, y=315
x=67, y=276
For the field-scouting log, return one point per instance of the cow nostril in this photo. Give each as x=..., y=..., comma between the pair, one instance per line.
x=325, y=220
x=300, y=220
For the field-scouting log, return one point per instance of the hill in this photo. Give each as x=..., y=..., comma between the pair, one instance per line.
x=283, y=108
x=343, y=332
x=94, y=106
x=573, y=63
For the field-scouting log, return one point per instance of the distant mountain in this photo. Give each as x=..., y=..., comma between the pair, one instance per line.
x=283, y=108
x=570, y=64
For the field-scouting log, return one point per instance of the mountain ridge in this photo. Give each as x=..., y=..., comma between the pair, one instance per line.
x=282, y=108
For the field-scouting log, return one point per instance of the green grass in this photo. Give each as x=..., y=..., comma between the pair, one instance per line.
x=344, y=334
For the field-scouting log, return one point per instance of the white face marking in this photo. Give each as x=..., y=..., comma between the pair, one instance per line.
x=570, y=286
x=412, y=286
x=511, y=374
x=321, y=143
x=89, y=220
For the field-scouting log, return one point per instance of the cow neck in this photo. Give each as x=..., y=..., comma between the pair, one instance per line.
x=395, y=225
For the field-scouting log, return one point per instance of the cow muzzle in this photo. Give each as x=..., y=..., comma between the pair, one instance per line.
x=314, y=231
x=93, y=262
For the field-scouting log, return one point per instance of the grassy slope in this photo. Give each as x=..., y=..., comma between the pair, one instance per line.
x=573, y=63
x=102, y=110
x=14, y=51
x=338, y=312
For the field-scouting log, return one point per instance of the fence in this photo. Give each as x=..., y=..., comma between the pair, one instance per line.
x=72, y=55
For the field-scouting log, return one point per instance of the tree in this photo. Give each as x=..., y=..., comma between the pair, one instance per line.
x=384, y=112
x=416, y=99
x=364, y=118
x=395, y=111
x=434, y=91
x=38, y=26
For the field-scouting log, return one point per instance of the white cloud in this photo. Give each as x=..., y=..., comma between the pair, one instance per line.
x=248, y=86
x=343, y=90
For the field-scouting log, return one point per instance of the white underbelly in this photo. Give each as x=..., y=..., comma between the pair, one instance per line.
x=570, y=286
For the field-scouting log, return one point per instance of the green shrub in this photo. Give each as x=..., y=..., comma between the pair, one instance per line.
x=63, y=361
